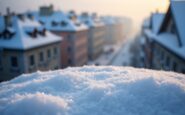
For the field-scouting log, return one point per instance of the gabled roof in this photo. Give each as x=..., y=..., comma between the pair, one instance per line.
x=21, y=40
x=60, y=17
x=156, y=21
x=178, y=11
x=167, y=39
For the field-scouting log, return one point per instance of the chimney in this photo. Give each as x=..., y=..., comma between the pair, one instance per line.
x=8, y=11
x=8, y=20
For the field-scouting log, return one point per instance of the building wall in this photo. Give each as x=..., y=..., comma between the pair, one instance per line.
x=163, y=59
x=73, y=48
x=96, y=41
x=8, y=72
x=81, y=48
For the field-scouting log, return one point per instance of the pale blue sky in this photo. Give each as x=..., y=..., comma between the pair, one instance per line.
x=135, y=9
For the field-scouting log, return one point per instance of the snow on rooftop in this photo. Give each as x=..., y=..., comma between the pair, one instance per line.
x=21, y=40
x=178, y=8
x=92, y=90
x=59, y=17
x=109, y=20
x=91, y=21
x=157, y=19
x=168, y=40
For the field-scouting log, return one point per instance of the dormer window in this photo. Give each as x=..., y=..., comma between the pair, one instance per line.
x=30, y=16
x=63, y=23
x=7, y=34
x=54, y=23
x=33, y=33
x=42, y=32
x=21, y=17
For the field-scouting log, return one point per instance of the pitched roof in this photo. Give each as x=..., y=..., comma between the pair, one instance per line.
x=21, y=40
x=156, y=21
x=178, y=11
x=60, y=17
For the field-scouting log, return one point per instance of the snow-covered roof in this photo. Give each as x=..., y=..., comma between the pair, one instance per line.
x=156, y=21
x=2, y=24
x=91, y=21
x=167, y=40
x=94, y=90
x=60, y=17
x=178, y=9
x=22, y=40
x=108, y=20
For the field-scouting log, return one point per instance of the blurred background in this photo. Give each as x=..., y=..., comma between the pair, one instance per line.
x=49, y=35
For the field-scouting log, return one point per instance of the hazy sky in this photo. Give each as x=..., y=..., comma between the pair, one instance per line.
x=135, y=9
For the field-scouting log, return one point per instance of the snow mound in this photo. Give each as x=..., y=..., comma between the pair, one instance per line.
x=92, y=90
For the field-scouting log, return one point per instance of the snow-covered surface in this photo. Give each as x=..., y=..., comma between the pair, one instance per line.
x=91, y=21
x=178, y=8
x=94, y=91
x=59, y=17
x=157, y=19
x=21, y=40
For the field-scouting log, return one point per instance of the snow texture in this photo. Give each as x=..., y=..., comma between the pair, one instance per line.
x=92, y=90
x=21, y=40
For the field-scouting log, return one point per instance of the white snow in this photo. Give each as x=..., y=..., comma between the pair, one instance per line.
x=58, y=17
x=22, y=41
x=92, y=90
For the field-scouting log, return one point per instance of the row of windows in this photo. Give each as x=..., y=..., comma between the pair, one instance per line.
x=41, y=56
x=167, y=62
x=14, y=59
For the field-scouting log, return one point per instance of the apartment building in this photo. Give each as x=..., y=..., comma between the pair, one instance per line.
x=96, y=34
x=166, y=39
x=26, y=46
x=73, y=32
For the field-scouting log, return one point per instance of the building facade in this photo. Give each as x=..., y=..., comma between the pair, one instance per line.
x=74, y=34
x=165, y=41
x=96, y=34
x=26, y=47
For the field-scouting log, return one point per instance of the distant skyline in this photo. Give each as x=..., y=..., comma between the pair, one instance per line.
x=137, y=10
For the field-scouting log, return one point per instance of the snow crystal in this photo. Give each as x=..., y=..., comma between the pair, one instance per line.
x=94, y=90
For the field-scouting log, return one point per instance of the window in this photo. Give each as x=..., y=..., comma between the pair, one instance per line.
x=49, y=53
x=41, y=56
x=167, y=61
x=174, y=66
x=55, y=51
x=31, y=60
x=0, y=60
x=14, y=61
x=183, y=71
x=69, y=61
